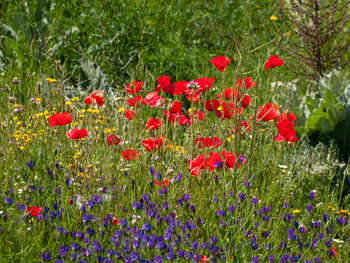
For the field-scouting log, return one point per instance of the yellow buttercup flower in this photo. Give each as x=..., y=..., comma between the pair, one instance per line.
x=273, y=18
x=50, y=80
x=296, y=211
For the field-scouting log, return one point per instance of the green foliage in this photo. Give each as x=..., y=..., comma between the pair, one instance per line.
x=128, y=39
x=329, y=110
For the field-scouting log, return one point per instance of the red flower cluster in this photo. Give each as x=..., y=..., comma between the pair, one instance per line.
x=95, y=96
x=247, y=82
x=76, y=134
x=112, y=139
x=197, y=164
x=153, y=124
x=59, y=119
x=134, y=101
x=267, y=112
x=134, y=87
x=214, y=161
x=153, y=100
x=285, y=128
x=128, y=114
x=152, y=144
x=208, y=142
x=165, y=85
x=163, y=183
x=130, y=154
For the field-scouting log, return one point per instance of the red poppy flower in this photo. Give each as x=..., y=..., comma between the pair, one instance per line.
x=153, y=124
x=95, y=96
x=171, y=116
x=152, y=99
x=112, y=139
x=247, y=82
x=128, y=114
x=229, y=160
x=175, y=107
x=76, y=134
x=208, y=142
x=165, y=84
x=273, y=61
x=214, y=161
x=134, y=101
x=230, y=94
x=163, y=183
x=134, y=87
x=284, y=116
x=286, y=131
x=334, y=252
x=59, y=119
x=180, y=87
x=204, y=83
x=115, y=221
x=194, y=115
x=152, y=144
x=229, y=110
x=182, y=119
x=193, y=96
x=245, y=101
x=33, y=210
x=267, y=112
x=130, y=154
x=204, y=259
x=211, y=105
x=220, y=62
x=197, y=164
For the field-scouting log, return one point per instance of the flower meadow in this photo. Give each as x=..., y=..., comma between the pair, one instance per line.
x=198, y=170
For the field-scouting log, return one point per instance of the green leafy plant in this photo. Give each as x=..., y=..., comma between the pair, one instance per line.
x=329, y=110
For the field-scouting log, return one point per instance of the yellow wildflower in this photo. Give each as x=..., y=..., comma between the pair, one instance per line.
x=273, y=18
x=50, y=80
